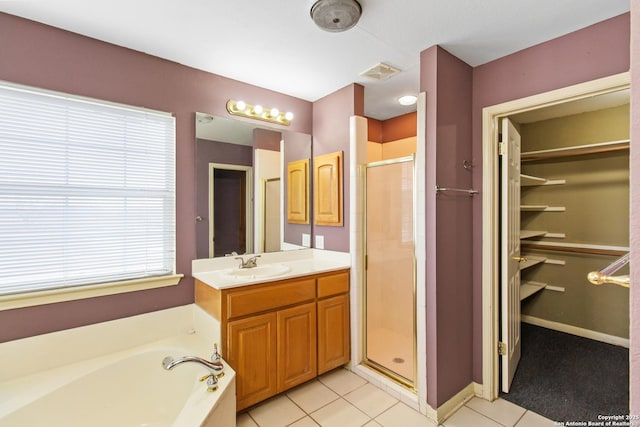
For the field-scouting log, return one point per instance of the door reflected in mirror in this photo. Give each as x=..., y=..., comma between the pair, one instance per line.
x=241, y=187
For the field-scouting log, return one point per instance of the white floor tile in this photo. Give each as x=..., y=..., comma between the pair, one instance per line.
x=340, y=413
x=312, y=396
x=465, y=417
x=305, y=422
x=342, y=381
x=278, y=412
x=244, y=420
x=370, y=400
x=371, y=423
x=531, y=419
x=506, y=413
x=400, y=415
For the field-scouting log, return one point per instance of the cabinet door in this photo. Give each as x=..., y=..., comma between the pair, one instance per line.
x=333, y=333
x=327, y=189
x=296, y=345
x=298, y=192
x=251, y=352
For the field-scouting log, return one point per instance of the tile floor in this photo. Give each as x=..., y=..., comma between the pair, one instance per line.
x=340, y=398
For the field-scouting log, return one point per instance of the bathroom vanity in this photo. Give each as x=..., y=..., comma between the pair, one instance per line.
x=278, y=331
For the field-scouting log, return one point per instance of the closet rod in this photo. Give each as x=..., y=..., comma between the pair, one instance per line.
x=470, y=192
x=578, y=250
x=604, y=275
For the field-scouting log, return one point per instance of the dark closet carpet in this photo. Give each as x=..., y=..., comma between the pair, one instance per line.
x=568, y=378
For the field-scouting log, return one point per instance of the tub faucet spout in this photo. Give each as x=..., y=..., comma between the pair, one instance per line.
x=169, y=362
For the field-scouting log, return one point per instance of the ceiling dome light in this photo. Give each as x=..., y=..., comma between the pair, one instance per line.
x=407, y=100
x=336, y=15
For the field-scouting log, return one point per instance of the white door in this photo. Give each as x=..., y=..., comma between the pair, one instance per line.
x=510, y=252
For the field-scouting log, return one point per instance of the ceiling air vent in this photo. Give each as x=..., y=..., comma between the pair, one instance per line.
x=380, y=72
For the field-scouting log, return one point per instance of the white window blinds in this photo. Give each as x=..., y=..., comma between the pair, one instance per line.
x=87, y=192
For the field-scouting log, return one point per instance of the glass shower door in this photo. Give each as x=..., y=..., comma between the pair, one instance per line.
x=390, y=269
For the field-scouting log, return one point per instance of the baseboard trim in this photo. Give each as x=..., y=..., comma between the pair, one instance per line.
x=574, y=330
x=478, y=389
x=447, y=409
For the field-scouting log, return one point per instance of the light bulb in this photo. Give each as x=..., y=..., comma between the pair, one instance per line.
x=288, y=115
x=241, y=105
x=274, y=112
x=258, y=109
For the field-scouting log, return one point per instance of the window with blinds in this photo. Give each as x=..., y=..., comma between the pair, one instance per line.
x=87, y=191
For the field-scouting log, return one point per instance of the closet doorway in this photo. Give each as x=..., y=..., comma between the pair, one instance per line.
x=560, y=213
x=230, y=195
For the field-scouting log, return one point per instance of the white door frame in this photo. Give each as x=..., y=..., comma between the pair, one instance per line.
x=249, y=197
x=490, y=209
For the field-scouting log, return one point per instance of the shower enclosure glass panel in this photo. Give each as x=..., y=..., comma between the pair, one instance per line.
x=390, y=269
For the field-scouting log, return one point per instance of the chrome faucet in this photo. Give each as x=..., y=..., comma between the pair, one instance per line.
x=215, y=365
x=249, y=263
x=169, y=362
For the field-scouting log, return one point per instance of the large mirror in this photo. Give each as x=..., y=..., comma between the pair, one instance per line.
x=241, y=187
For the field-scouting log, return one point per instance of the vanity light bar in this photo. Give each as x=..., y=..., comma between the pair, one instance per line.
x=273, y=115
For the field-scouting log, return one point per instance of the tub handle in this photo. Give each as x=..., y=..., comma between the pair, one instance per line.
x=212, y=381
x=217, y=376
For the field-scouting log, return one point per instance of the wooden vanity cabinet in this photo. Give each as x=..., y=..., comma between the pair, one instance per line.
x=251, y=349
x=297, y=346
x=280, y=334
x=333, y=321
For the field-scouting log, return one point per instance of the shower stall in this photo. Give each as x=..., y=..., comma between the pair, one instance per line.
x=390, y=270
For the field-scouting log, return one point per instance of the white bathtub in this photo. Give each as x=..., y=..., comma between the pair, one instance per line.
x=99, y=375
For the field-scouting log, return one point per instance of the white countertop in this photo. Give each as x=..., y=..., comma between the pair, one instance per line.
x=303, y=262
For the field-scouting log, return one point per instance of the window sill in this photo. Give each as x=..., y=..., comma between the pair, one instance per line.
x=9, y=302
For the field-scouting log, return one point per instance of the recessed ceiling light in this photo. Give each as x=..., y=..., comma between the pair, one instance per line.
x=407, y=100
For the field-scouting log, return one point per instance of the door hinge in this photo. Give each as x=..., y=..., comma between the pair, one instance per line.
x=502, y=348
x=501, y=148
x=366, y=262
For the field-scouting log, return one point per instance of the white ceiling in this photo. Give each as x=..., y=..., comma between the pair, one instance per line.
x=275, y=44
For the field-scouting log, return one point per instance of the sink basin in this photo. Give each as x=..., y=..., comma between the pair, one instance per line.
x=268, y=270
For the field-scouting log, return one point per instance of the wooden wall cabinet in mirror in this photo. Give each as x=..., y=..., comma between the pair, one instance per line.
x=298, y=192
x=327, y=189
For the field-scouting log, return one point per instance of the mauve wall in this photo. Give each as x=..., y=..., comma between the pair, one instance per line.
x=634, y=351
x=330, y=134
x=266, y=139
x=597, y=51
x=43, y=56
x=447, y=82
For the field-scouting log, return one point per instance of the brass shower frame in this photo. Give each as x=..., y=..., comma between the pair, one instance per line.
x=408, y=384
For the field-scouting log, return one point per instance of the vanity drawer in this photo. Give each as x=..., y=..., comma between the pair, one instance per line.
x=256, y=299
x=333, y=284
